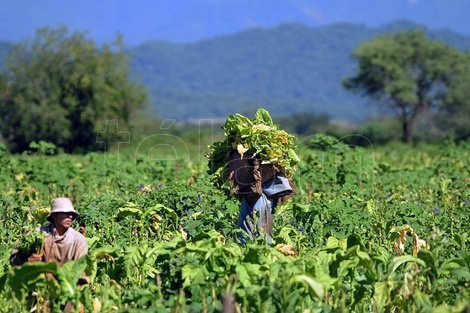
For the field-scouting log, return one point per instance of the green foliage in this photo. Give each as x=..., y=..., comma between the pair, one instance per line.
x=304, y=124
x=287, y=69
x=259, y=138
x=63, y=89
x=456, y=107
x=408, y=73
x=161, y=242
x=43, y=147
x=32, y=242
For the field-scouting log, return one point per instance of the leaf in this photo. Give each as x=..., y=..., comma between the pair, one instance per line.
x=428, y=258
x=371, y=206
x=40, y=214
x=423, y=301
x=184, y=234
x=333, y=242
x=286, y=249
x=397, y=261
x=243, y=275
x=262, y=115
x=23, y=276
x=196, y=215
x=158, y=208
x=315, y=286
x=461, y=274
x=285, y=235
x=381, y=295
x=194, y=275
x=451, y=264
x=241, y=149
x=127, y=211
x=68, y=275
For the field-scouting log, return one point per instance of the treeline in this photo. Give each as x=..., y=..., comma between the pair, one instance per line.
x=63, y=89
x=287, y=69
x=60, y=88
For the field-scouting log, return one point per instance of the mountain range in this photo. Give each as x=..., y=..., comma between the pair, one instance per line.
x=205, y=19
x=289, y=68
x=193, y=20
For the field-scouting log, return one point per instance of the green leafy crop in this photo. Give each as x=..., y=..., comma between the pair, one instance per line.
x=32, y=242
x=258, y=137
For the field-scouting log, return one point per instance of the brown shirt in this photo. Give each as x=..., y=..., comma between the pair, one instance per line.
x=71, y=246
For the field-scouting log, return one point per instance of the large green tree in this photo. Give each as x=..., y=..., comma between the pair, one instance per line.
x=407, y=72
x=62, y=88
x=455, y=113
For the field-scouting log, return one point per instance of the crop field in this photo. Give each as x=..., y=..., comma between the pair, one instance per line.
x=370, y=229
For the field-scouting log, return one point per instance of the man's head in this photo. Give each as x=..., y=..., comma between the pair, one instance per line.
x=62, y=212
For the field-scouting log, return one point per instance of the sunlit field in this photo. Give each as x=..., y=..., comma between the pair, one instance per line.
x=370, y=229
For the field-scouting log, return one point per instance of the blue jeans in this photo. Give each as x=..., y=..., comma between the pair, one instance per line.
x=264, y=223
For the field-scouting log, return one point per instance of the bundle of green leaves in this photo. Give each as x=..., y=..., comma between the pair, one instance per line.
x=32, y=242
x=258, y=137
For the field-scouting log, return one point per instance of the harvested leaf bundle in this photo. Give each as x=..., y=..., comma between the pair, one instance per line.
x=32, y=242
x=256, y=138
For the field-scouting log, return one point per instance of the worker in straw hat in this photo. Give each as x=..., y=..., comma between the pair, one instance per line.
x=61, y=243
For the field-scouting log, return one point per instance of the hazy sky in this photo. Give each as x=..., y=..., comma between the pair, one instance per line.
x=187, y=20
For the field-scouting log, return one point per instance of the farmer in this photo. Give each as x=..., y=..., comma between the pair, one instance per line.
x=62, y=243
x=267, y=189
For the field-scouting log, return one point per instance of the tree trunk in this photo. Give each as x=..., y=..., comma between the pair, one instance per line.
x=407, y=138
x=409, y=119
x=407, y=124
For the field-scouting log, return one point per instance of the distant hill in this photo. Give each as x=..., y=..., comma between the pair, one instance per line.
x=193, y=20
x=287, y=69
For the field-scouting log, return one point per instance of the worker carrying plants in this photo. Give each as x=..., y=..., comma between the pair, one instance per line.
x=255, y=162
x=60, y=242
x=260, y=188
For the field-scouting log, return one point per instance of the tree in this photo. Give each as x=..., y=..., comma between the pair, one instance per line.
x=406, y=72
x=305, y=123
x=62, y=89
x=455, y=113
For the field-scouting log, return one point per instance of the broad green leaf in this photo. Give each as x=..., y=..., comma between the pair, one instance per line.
x=451, y=264
x=243, y=275
x=314, y=285
x=381, y=295
x=128, y=211
x=194, y=275
x=397, y=261
x=22, y=276
x=461, y=274
x=262, y=115
x=333, y=242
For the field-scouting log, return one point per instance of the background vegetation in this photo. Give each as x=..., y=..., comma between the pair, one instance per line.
x=62, y=88
x=287, y=69
x=58, y=87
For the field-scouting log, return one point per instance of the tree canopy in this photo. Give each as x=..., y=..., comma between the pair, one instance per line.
x=62, y=88
x=455, y=113
x=408, y=73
